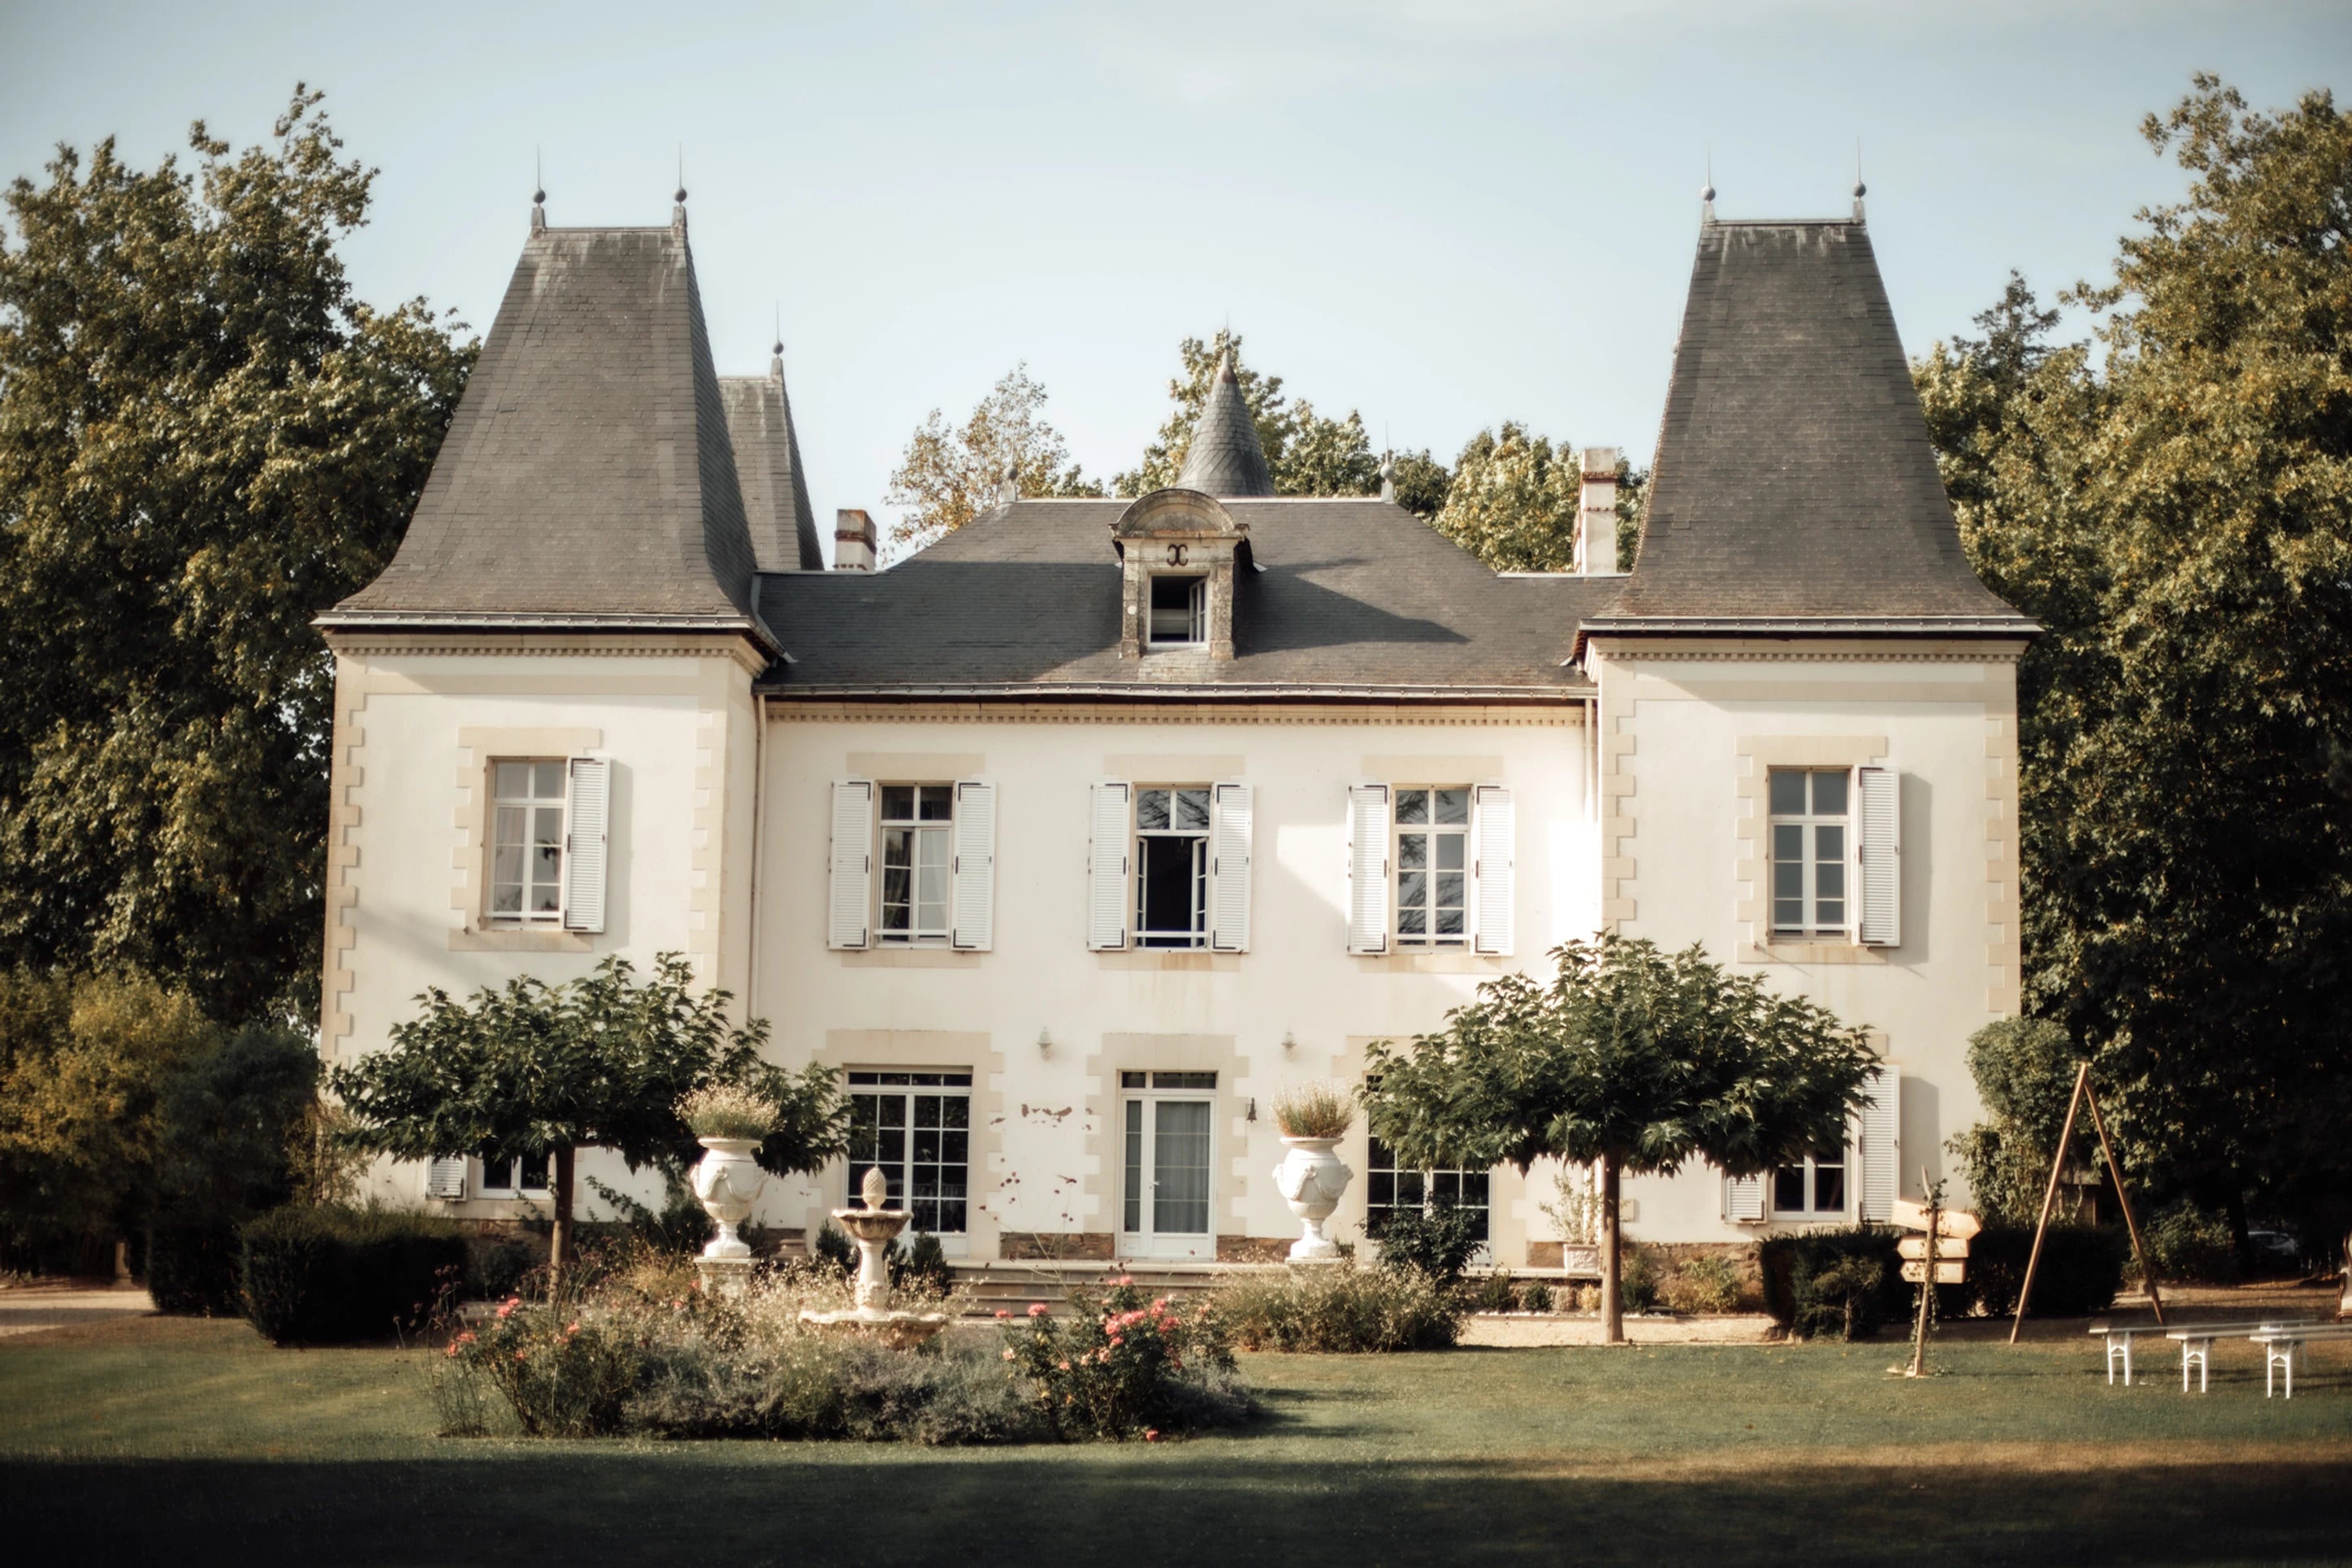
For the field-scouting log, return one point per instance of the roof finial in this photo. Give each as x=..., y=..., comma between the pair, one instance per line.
x=538, y=194
x=1859, y=188
x=1706, y=194
x=677, y=213
x=776, y=359
x=1387, y=477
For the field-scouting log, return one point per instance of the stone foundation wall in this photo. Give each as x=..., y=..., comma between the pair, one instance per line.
x=1054, y=1246
x=1254, y=1248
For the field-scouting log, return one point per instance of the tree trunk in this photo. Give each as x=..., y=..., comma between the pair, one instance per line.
x=1612, y=1299
x=2344, y=1300
x=559, y=1251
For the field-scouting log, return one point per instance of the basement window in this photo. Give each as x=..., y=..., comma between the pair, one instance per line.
x=1180, y=612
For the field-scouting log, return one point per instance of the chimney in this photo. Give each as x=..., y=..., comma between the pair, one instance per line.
x=1596, y=513
x=853, y=541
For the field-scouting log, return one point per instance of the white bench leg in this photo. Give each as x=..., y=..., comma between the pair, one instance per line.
x=2127, y=1345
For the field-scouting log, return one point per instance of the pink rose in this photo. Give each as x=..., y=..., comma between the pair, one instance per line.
x=1066, y=1366
x=1003, y=1313
x=1152, y=1434
x=1008, y=1354
x=1036, y=1309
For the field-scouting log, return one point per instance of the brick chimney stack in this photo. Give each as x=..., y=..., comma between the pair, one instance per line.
x=1596, y=513
x=853, y=541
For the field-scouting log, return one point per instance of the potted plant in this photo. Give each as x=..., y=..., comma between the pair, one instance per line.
x=730, y=1120
x=1311, y=1176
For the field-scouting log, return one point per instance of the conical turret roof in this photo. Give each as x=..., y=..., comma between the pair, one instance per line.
x=1225, y=459
x=768, y=462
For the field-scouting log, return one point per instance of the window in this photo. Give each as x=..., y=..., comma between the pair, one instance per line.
x=1390, y=1189
x=527, y=841
x=1808, y=851
x=1180, y=612
x=916, y=861
x=1165, y=1196
x=1172, y=868
x=916, y=1126
x=1815, y=1187
x=1433, y=859
x=513, y=1178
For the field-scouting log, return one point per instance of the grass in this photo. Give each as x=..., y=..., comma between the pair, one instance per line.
x=237, y=1453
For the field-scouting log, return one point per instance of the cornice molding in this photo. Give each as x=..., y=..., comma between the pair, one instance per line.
x=1565, y=715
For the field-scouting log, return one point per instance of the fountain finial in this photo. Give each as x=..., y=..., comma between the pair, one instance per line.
x=876, y=1188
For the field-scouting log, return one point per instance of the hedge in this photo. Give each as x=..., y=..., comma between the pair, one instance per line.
x=2082, y=1268
x=1791, y=1264
x=324, y=1275
x=193, y=1264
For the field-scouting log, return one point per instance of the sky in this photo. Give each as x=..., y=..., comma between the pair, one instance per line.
x=1442, y=213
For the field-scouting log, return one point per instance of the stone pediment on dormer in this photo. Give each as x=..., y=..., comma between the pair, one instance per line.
x=1178, y=551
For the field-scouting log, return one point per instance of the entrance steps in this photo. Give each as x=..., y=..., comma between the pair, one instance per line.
x=1013, y=1286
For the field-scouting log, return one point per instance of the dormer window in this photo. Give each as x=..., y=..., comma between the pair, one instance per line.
x=1179, y=610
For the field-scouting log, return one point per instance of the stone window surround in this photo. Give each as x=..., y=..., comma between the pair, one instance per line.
x=942, y=1050
x=1752, y=868
x=478, y=747
x=1229, y=1123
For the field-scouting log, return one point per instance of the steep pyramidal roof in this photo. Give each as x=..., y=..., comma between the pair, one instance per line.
x=1793, y=481
x=587, y=479
x=768, y=462
x=1225, y=459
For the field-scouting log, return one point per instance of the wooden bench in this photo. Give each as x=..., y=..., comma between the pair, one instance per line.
x=2282, y=1345
x=2197, y=1343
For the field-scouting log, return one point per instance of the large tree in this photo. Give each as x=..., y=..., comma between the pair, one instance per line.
x=2177, y=512
x=206, y=438
x=949, y=476
x=1513, y=501
x=1309, y=454
x=1630, y=1059
x=542, y=1071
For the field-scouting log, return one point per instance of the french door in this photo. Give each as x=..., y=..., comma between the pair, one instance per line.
x=1168, y=1133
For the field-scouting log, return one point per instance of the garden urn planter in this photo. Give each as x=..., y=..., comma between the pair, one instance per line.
x=727, y=1179
x=1310, y=1180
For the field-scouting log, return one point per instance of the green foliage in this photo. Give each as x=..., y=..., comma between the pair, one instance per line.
x=1494, y=1292
x=321, y=1276
x=1308, y=455
x=1537, y=1297
x=2177, y=512
x=1421, y=482
x=2188, y=1246
x=2081, y=1270
x=1704, y=1284
x=1339, y=1308
x=500, y=1266
x=1846, y=1282
x=926, y=1271
x=231, y=1119
x=205, y=439
x=1315, y=1111
x=561, y=1376
x=1117, y=1366
x=833, y=1247
x=1436, y=1243
x=2024, y=1069
x=1513, y=501
x=1637, y=1280
x=194, y=1261
x=948, y=477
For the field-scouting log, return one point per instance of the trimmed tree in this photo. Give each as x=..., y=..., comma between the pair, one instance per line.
x=1630, y=1059
x=542, y=1071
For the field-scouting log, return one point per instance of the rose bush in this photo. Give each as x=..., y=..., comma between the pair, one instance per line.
x=1117, y=1365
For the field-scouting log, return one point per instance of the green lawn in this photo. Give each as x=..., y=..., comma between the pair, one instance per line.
x=174, y=1443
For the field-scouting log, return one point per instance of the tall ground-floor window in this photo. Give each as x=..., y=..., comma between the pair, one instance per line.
x=916, y=1126
x=1393, y=1189
x=1166, y=1141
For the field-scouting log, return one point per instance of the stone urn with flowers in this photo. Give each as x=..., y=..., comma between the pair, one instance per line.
x=730, y=1120
x=1312, y=1177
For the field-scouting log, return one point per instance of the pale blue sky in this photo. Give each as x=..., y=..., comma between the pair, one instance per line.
x=1440, y=214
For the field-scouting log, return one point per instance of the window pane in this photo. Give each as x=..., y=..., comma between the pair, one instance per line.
x=531, y=1172
x=1180, y=1167
x=1829, y=913
x=1133, y=1079
x=1787, y=915
x=546, y=825
x=1787, y=879
x=898, y=803
x=548, y=780
x=506, y=897
x=1829, y=793
x=1411, y=921
x=931, y=914
x=1829, y=880
x=1413, y=805
x=1413, y=852
x=938, y=802
x=1789, y=1189
x=513, y=780
x=1449, y=851
x=1829, y=844
x=1184, y=1080
x=1151, y=808
x=1131, y=1219
x=1829, y=1188
x=1788, y=844
x=1787, y=793
x=1412, y=890
x=1192, y=809
x=1454, y=806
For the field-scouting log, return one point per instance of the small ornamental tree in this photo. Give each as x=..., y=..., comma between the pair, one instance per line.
x=1630, y=1059
x=539, y=1070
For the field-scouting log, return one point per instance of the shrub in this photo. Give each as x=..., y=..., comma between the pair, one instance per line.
x=2082, y=1268
x=192, y=1265
x=1438, y=1243
x=1706, y=1283
x=925, y=1270
x=571, y=1379
x=833, y=1246
x=1637, y=1280
x=323, y=1275
x=498, y=1266
x=1852, y=1301
x=729, y=1110
x=1318, y=1110
x=1495, y=1293
x=1537, y=1297
x=1116, y=1365
x=1340, y=1307
x=2189, y=1245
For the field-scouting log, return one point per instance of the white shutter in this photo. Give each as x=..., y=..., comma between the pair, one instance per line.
x=1107, y=851
x=1368, y=868
x=444, y=1180
x=585, y=843
x=1492, y=833
x=1881, y=1151
x=848, y=917
x=1232, y=817
x=972, y=901
x=1743, y=1199
x=1878, y=813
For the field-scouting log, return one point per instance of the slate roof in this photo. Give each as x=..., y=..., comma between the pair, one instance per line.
x=1355, y=599
x=768, y=463
x=1225, y=458
x=1794, y=484
x=587, y=479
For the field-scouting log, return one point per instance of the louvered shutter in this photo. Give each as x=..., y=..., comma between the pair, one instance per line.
x=850, y=912
x=1743, y=1199
x=973, y=899
x=444, y=1180
x=1107, y=852
x=1878, y=796
x=1367, y=868
x=1493, y=832
x=1230, y=821
x=586, y=841
x=1881, y=1154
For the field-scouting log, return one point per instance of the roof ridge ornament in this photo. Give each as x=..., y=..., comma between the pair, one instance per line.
x=1707, y=192
x=678, y=211
x=1387, y=477
x=1859, y=188
x=538, y=194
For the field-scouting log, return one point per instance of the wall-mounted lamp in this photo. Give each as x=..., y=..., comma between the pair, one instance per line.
x=1045, y=1043
x=1289, y=1042
x=1253, y=1109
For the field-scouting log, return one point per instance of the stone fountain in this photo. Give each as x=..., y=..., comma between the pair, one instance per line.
x=874, y=1228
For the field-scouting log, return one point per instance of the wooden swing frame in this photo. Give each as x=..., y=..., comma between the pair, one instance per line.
x=2083, y=1095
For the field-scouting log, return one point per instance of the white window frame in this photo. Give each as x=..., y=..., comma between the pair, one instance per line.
x=1137, y=1181
x=1197, y=617
x=914, y=1083
x=1845, y=1165
x=1434, y=831
x=1198, y=937
x=938, y=832
x=530, y=805
x=1809, y=823
x=1381, y=1161
x=507, y=1173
